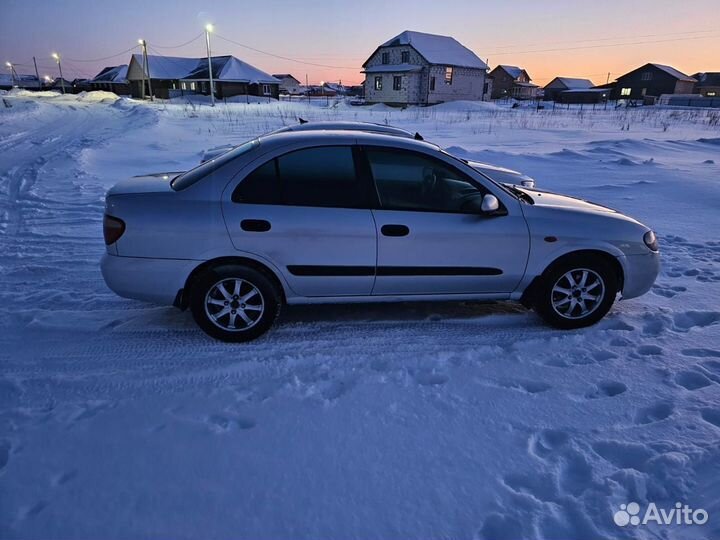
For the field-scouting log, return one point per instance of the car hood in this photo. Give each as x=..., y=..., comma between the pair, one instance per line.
x=555, y=200
x=149, y=183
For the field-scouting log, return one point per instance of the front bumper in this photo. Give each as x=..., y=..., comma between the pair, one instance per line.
x=151, y=280
x=640, y=273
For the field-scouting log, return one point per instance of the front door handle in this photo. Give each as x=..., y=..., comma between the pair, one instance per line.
x=395, y=230
x=255, y=225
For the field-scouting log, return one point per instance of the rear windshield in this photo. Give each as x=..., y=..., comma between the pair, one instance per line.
x=187, y=179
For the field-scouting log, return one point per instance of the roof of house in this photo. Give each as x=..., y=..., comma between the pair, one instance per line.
x=225, y=68
x=679, y=75
x=710, y=78
x=572, y=83
x=112, y=74
x=437, y=49
x=285, y=76
x=513, y=71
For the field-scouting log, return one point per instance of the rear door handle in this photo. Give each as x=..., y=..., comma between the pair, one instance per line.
x=255, y=225
x=395, y=230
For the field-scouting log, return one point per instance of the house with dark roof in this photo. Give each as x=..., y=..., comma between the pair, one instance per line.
x=652, y=80
x=708, y=83
x=112, y=79
x=560, y=84
x=512, y=81
x=415, y=68
x=176, y=76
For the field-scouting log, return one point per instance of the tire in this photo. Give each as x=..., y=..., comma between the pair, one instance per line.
x=560, y=299
x=234, y=303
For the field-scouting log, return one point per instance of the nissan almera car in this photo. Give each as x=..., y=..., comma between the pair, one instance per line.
x=348, y=216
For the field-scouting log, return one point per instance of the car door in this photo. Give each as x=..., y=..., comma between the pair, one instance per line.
x=432, y=238
x=307, y=212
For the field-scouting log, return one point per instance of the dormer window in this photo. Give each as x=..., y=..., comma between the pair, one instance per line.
x=385, y=58
x=405, y=57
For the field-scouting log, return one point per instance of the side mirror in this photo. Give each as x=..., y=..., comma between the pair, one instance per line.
x=490, y=204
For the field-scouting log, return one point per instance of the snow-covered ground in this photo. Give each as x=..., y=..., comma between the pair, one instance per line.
x=122, y=420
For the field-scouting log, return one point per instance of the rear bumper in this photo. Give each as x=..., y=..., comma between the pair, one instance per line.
x=152, y=280
x=640, y=273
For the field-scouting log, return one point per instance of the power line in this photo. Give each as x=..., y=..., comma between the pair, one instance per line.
x=103, y=58
x=201, y=34
x=603, y=39
x=563, y=49
x=284, y=57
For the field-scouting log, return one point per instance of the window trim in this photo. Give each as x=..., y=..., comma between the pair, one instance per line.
x=378, y=86
x=461, y=174
x=405, y=57
x=397, y=79
x=385, y=58
x=363, y=177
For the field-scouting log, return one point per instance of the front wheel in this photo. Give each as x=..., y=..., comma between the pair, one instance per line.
x=576, y=293
x=234, y=303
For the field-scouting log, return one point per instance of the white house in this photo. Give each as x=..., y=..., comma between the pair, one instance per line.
x=415, y=68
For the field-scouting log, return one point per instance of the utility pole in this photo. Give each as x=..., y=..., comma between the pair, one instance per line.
x=307, y=88
x=56, y=56
x=208, y=29
x=37, y=75
x=146, y=71
x=608, y=78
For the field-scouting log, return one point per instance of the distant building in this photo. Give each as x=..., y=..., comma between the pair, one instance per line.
x=652, y=80
x=112, y=79
x=338, y=88
x=561, y=84
x=26, y=82
x=288, y=84
x=708, y=84
x=177, y=76
x=415, y=68
x=583, y=96
x=81, y=85
x=512, y=81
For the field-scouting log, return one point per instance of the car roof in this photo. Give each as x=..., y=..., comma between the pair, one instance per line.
x=343, y=136
x=347, y=125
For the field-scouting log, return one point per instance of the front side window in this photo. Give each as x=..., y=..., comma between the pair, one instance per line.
x=397, y=83
x=412, y=181
x=448, y=75
x=322, y=176
x=385, y=58
x=405, y=57
x=378, y=83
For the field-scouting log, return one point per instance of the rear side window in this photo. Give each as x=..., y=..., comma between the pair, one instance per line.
x=201, y=171
x=322, y=176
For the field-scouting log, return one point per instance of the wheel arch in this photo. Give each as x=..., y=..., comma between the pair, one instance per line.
x=182, y=299
x=528, y=296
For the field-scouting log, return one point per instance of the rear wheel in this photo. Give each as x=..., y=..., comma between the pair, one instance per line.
x=234, y=303
x=577, y=292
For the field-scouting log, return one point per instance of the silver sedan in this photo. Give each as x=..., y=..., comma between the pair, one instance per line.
x=335, y=216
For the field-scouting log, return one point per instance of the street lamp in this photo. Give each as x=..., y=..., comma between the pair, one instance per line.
x=12, y=72
x=208, y=29
x=56, y=56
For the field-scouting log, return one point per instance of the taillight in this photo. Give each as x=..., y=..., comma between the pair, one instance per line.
x=113, y=229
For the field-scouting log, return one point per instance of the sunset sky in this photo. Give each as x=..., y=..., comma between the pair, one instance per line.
x=571, y=38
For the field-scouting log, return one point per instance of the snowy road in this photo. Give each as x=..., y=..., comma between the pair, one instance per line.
x=121, y=420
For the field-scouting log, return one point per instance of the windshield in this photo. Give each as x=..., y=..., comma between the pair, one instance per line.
x=193, y=175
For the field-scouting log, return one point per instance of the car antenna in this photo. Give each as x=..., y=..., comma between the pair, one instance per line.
x=302, y=121
x=418, y=137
